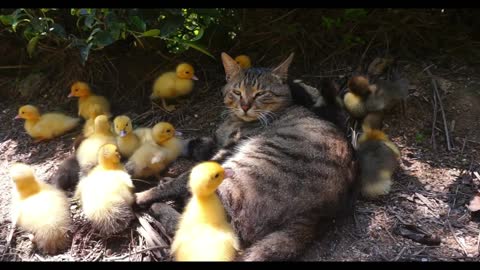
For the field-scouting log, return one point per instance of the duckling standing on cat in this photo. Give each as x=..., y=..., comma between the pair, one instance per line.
x=378, y=159
x=41, y=209
x=106, y=194
x=174, y=84
x=243, y=61
x=89, y=103
x=203, y=233
x=46, y=126
x=152, y=157
x=87, y=150
x=127, y=141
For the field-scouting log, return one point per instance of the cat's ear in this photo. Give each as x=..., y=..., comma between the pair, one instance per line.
x=232, y=68
x=282, y=69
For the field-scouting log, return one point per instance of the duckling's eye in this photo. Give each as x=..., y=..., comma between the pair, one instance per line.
x=217, y=175
x=168, y=130
x=126, y=125
x=76, y=90
x=236, y=92
x=187, y=72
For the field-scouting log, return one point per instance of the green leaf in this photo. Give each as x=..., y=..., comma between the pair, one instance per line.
x=15, y=24
x=6, y=19
x=84, y=52
x=32, y=44
x=171, y=25
x=89, y=20
x=198, y=34
x=138, y=24
x=103, y=38
x=58, y=30
x=38, y=25
x=116, y=29
x=93, y=34
x=151, y=33
x=198, y=48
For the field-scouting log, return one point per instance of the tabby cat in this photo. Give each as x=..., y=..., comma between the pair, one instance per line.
x=293, y=172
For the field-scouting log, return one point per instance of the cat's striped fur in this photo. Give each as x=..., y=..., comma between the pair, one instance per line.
x=292, y=170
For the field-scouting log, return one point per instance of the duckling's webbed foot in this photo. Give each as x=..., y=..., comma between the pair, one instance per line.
x=168, y=108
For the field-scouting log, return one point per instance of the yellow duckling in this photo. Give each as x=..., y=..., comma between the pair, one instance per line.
x=244, y=61
x=354, y=99
x=203, y=233
x=106, y=194
x=153, y=157
x=378, y=159
x=127, y=141
x=87, y=150
x=46, y=126
x=174, y=84
x=89, y=103
x=144, y=134
x=88, y=127
x=40, y=209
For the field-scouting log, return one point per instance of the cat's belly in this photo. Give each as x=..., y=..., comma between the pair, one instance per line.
x=258, y=197
x=280, y=178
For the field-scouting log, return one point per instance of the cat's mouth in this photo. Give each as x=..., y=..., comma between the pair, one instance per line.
x=248, y=116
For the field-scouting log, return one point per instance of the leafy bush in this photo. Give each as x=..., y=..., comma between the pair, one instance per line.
x=95, y=29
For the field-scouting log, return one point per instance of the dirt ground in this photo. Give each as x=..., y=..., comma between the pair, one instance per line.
x=430, y=191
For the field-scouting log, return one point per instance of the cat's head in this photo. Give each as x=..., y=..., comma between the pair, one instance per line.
x=256, y=93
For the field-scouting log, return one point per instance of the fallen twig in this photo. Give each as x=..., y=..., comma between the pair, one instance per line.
x=434, y=121
x=400, y=254
x=133, y=253
x=435, y=88
x=9, y=238
x=456, y=239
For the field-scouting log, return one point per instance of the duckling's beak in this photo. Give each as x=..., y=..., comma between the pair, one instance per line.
x=178, y=133
x=195, y=78
x=228, y=172
x=17, y=117
x=123, y=133
x=70, y=95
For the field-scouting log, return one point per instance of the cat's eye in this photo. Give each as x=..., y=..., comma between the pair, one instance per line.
x=236, y=92
x=258, y=94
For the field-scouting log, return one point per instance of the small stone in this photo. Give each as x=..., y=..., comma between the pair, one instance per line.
x=424, y=260
x=108, y=252
x=195, y=115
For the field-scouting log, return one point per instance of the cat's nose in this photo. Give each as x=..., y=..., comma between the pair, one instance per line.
x=245, y=107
